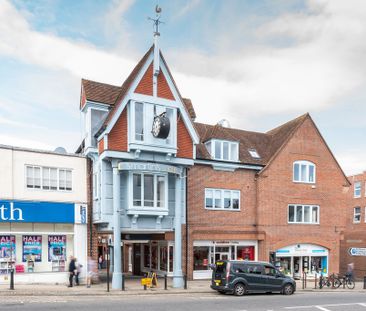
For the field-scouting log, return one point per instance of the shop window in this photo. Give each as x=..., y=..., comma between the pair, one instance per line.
x=307, y=214
x=357, y=189
x=171, y=256
x=357, y=214
x=149, y=190
x=163, y=258
x=245, y=253
x=154, y=256
x=147, y=256
x=222, y=199
x=200, y=257
x=223, y=150
x=304, y=172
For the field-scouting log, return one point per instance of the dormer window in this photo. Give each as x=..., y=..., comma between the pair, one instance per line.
x=254, y=154
x=223, y=150
x=304, y=172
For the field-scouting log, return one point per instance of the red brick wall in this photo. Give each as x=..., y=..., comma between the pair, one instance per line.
x=276, y=190
x=355, y=233
x=101, y=146
x=146, y=84
x=117, y=138
x=185, y=144
x=219, y=225
x=163, y=87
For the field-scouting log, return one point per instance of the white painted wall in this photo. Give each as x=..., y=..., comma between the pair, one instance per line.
x=13, y=183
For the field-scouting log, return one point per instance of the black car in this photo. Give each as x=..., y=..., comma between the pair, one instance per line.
x=241, y=277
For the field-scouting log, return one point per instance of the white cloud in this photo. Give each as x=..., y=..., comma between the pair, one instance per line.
x=189, y=5
x=11, y=140
x=353, y=162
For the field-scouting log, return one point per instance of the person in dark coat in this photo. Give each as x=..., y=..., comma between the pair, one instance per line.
x=72, y=268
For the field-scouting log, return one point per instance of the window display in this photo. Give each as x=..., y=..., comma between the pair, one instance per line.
x=32, y=248
x=56, y=247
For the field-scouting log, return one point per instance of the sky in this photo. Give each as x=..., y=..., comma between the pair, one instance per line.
x=257, y=64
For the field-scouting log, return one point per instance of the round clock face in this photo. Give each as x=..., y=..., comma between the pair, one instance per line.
x=156, y=126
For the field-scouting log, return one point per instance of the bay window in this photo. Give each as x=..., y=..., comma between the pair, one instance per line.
x=149, y=190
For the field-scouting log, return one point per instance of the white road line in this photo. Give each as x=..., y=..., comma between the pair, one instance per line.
x=362, y=304
x=322, y=308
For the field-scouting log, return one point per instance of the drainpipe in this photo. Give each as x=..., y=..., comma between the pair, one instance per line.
x=187, y=169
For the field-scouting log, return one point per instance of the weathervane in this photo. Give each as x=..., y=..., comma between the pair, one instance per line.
x=156, y=20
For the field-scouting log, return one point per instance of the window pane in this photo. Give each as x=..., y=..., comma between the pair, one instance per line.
x=68, y=180
x=62, y=180
x=37, y=177
x=315, y=215
x=225, y=153
x=311, y=173
x=148, y=190
x=298, y=213
x=227, y=199
x=136, y=190
x=200, y=255
x=296, y=172
x=217, y=199
x=291, y=213
x=208, y=198
x=307, y=214
x=139, y=121
x=234, y=152
x=53, y=178
x=357, y=190
x=303, y=172
x=235, y=198
x=30, y=182
x=46, y=178
x=161, y=191
x=208, y=146
x=217, y=150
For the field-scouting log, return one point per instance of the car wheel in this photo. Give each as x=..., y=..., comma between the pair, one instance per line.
x=239, y=289
x=288, y=289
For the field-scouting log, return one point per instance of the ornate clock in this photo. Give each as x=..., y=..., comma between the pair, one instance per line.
x=161, y=126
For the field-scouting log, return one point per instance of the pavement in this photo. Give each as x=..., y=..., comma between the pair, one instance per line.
x=133, y=287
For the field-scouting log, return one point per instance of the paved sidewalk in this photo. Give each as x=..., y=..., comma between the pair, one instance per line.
x=133, y=287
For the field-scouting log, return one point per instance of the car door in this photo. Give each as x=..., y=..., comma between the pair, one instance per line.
x=255, y=278
x=273, y=278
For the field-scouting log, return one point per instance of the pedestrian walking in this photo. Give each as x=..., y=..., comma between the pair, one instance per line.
x=72, y=268
x=100, y=262
x=77, y=271
x=350, y=268
x=92, y=271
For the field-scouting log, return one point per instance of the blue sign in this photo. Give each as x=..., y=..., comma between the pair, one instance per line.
x=29, y=211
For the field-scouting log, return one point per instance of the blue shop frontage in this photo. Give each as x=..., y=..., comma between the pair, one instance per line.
x=37, y=239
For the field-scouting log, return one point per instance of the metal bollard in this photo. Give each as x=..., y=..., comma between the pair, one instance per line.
x=123, y=282
x=12, y=279
x=303, y=280
x=321, y=281
x=316, y=279
x=364, y=282
x=185, y=281
x=165, y=282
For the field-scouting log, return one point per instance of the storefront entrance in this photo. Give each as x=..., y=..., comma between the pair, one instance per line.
x=295, y=260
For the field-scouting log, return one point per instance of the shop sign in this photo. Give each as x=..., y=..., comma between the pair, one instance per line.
x=357, y=251
x=32, y=248
x=29, y=211
x=140, y=166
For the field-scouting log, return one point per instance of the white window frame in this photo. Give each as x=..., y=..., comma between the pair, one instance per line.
x=302, y=222
x=356, y=215
x=222, y=191
x=155, y=177
x=67, y=170
x=308, y=164
x=211, y=144
x=359, y=189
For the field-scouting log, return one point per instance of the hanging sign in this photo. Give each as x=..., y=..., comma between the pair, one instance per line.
x=32, y=248
x=7, y=247
x=56, y=247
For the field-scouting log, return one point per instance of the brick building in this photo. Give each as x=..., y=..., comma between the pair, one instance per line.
x=166, y=186
x=353, y=246
x=278, y=196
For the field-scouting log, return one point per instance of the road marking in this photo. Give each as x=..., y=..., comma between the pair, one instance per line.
x=323, y=307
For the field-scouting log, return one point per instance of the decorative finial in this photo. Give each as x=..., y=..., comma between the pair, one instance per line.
x=156, y=20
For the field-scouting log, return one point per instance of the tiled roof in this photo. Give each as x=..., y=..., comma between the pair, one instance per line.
x=100, y=92
x=188, y=104
x=266, y=144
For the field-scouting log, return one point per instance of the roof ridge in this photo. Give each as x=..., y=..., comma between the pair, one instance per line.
x=93, y=81
x=272, y=131
x=230, y=128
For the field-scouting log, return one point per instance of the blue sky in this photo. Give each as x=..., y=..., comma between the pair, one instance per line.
x=257, y=63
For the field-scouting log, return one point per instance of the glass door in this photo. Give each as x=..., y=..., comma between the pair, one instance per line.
x=222, y=253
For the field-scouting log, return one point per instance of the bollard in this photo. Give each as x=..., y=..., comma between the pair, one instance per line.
x=185, y=281
x=123, y=282
x=321, y=281
x=303, y=281
x=316, y=279
x=344, y=282
x=306, y=279
x=165, y=282
x=364, y=282
x=12, y=279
